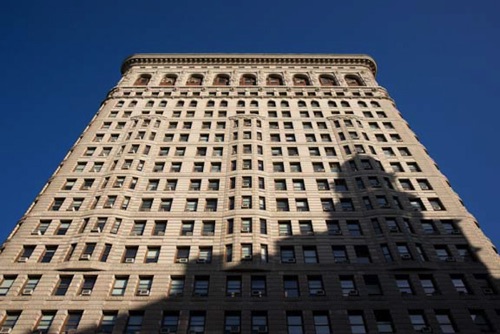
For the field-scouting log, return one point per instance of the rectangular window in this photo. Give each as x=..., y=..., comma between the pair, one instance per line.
x=63, y=285
x=45, y=321
x=6, y=284
x=176, y=286
x=291, y=286
x=72, y=321
x=119, y=286
x=108, y=321
x=48, y=254
x=445, y=322
x=196, y=322
x=88, y=285
x=170, y=322
x=294, y=323
x=321, y=322
x=134, y=322
x=357, y=322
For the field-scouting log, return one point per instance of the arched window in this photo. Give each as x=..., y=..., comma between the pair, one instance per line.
x=180, y=104
x=168, y=80
x=327, y=80
x=223, y=103
x=195, y=80
x=132, y=103
x=193, y=103
x=274, y=80
x=271, y=104
x=300, y=80
x=362, y=104
x=332, y=104
x=240, y=103
x=211, y=103
x=120, y=103
x=353, y=80
x=221, y=80
x=302, y=103
x=315, y=104
x=163, y=103
x=248, y=80
x=150, y=103
x=284, y=104
x=375, y=104
x=142, y=80
x=254, y=103
x=344, y=104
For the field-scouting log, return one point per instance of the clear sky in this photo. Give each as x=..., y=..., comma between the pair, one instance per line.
x=438, y=59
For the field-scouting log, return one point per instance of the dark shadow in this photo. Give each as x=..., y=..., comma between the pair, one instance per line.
x=363, y=250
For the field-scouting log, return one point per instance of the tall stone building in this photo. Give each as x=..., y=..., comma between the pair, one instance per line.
x=221, y=193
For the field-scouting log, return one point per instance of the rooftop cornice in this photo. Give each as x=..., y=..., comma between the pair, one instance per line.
x=248, y=59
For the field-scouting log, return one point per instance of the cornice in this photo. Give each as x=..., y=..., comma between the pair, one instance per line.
x=249, y=59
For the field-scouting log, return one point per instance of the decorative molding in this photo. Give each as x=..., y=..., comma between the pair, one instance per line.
x=250, y=59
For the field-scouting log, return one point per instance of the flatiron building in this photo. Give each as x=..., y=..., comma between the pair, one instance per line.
x=248, y=193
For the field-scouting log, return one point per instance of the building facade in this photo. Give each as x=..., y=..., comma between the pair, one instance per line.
x=220, y=193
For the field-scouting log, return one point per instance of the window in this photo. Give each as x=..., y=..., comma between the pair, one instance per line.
x=294, y=322
x=160, y=227
x=134, y=322
x=130, y=254
x=327, y=205
x=88, y=285
x=165, y=204
x=287, y=254
x=30, y=285
x=63, y=285
x=146, y=204
x=322, y=184
x=152, y=254
x=291, y=286
x=196, y=322
x=445, y=322
x=232, y=322
x=205, y=255
x=310, y=254
x=191, y=205
x=384, y=321
x=372, y=284
x=317, y=167
x=10, y=319
x=6, y=284
x=340, y=254
x=63, y=227
x=362, y=254
x=258, y=286
x=259, y=322
x=419, y=321
x=119, y=286
x=436, y=204
x=45, y=321
x=26, y=253
x=357, y=322
x=182, y=255
x=56, y=205
x=315, y=285
x=302, y=204
x=72, y=321
x=170, y=321
x=48, y=254
x=481, y=321
x=282, y=204
x=108, y=321
x=428, y=285
x=176, y=286
x=424, y=184
x=403, y=284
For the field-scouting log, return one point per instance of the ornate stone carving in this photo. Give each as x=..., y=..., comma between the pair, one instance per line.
x=317, y=60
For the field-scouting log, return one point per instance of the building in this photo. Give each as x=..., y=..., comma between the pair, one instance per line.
x=221, y=193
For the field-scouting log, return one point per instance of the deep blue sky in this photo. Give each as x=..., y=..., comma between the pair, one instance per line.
x=438, y=59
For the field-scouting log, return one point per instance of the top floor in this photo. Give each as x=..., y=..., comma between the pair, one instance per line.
x=248, y=70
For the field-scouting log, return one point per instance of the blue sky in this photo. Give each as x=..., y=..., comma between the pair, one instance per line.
x=438, y=59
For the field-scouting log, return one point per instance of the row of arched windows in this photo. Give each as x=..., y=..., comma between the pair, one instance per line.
x=253, y=103
x=251, y=80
